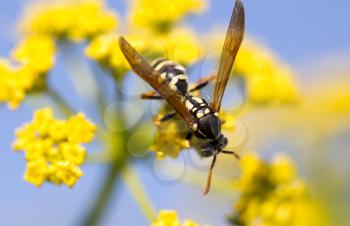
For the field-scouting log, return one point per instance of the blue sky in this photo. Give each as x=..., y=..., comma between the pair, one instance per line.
x=300, y=31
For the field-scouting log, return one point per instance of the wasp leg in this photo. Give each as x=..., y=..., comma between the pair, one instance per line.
x=165, y=118
x=188, y=139
x=202, y=83
x=151, y=96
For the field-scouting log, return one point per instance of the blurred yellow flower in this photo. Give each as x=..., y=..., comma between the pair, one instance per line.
x=272, y=195
x=105, y=49
x=180, y=45
x=15, y=82
x=52, y=147
x=268, y=80
x=169, y=218
x=325, y=109
x=7, y=82
x=36, y=52
x=228, y=120
x=76, y=20
x=170, y=138
x=161, y=14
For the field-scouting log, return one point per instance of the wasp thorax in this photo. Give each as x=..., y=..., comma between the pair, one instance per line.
x=208, y=125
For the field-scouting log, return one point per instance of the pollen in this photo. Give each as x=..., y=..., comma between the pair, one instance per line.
x=52, y=147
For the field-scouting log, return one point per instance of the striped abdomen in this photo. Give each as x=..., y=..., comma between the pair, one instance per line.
x=173, y=73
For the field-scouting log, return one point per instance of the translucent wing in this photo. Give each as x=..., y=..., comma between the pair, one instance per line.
x=233, y=40
x=143, y=69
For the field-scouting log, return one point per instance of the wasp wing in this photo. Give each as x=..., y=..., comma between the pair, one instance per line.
x=233, y=40
x=143, y=69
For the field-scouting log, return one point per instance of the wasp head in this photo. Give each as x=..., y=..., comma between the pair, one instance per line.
x=214, y=147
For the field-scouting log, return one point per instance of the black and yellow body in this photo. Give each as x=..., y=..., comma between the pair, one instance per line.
x=169, y=80
x=207, y=125
x=174, y=74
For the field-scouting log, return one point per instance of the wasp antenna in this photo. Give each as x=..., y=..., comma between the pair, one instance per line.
x=231, y=153
x=207, y=187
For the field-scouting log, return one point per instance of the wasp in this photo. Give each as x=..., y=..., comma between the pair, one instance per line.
x=170, y=82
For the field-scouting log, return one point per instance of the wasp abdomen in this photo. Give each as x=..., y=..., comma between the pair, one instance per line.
x=174, y=74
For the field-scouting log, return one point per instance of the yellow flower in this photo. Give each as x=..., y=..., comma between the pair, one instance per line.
x=64, y=172
x=325, y=110
x=283, y=169
x=272, y=195
x=228, y=120
x=170, y=138
x=15, y=83
x=160, y=14
x=76, y=20
x=90, y=19
x=79, y=130
x=36, y=172
x=37, y=52
x=6, y=80
x=36, y=57
x=268, y=80
x=180, y=45
x=169, y=218
x=105, y=49
x=52, y=147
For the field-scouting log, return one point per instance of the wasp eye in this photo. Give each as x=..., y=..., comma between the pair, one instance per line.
x=225, y=141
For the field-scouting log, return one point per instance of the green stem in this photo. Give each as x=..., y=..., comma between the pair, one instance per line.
x=220, y=185
x=62, y=104
x=138, y=192
x=119, y=161
x=104, y=195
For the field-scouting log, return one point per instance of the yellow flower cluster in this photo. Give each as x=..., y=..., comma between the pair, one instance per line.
x=52, y=147
x=179, y=45
x=272, y=195
x=326, y=109
x=169, y=218
x=105, y=50
x=267, y=79
x=170, y=138
x=75, y=20
x=161, y=14
x=36, y=52
x=35, y=55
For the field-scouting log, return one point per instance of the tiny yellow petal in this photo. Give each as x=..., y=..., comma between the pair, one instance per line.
x=36, y=172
